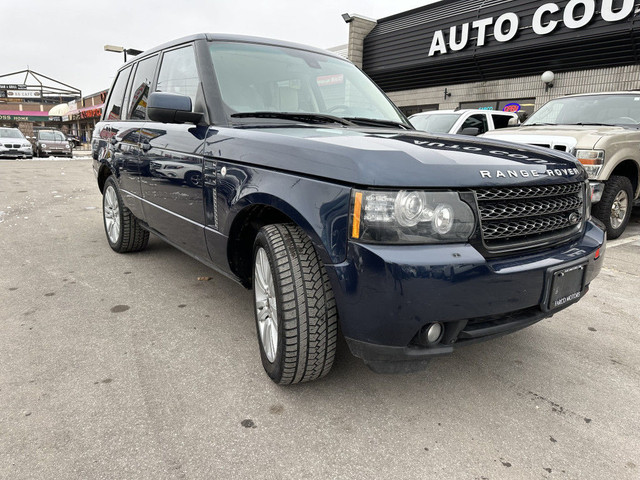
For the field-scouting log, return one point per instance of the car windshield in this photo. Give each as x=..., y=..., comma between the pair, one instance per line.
x=614, y=109
x=267, y=78
x=10, y=133
x=435, y=122
x=51, y=136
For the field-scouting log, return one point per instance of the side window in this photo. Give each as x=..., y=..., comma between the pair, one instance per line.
x=178, y=73
x=139, y=90
x=478, y=121
x=500, y=121
x=114, y=107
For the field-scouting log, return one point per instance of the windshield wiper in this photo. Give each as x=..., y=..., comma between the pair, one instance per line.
x=312, y=118
x=376, y=122
x=594, y=124
x=536, y=124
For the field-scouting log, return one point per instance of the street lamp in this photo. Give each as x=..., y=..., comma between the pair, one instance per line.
x=118, y=49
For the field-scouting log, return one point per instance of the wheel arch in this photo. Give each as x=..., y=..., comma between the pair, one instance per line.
x=104, y=172
x=631, y=170
x=249, y=219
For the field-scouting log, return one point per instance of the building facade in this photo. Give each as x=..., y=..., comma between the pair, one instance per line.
x=491, y=54
x=31, y=100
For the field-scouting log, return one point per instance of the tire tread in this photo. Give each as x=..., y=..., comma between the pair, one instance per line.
x=310, y=319
x=602, y=209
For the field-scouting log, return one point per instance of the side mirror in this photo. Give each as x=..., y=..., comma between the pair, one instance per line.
x=171, y=108
x=513, y=122
x=470, y=131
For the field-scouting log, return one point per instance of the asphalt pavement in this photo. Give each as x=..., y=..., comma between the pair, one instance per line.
x=146, y=366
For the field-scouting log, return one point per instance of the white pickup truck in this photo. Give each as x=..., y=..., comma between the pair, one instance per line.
x=603, y=131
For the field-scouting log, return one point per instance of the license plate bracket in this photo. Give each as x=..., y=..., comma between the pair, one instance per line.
x=566, y=286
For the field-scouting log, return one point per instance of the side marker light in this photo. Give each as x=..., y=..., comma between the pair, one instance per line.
x=357, y=207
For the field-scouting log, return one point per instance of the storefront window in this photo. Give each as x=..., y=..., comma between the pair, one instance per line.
x=524, y=105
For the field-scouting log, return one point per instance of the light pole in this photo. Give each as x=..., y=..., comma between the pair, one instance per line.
x=118, y=49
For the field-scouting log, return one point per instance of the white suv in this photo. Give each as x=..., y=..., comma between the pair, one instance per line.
x=463, y=121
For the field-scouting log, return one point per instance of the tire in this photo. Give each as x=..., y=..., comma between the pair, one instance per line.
x=294, y=306
x=123, y=230
x=193, y=179
x=614, y=208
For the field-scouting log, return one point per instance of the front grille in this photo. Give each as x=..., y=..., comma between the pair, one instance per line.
x=519, y=217
x=12, y=145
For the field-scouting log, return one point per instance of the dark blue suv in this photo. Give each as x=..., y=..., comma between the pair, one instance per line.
x=285, y=168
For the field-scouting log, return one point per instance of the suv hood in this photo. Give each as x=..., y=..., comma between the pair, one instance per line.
x=554, y=136
x=393, y=158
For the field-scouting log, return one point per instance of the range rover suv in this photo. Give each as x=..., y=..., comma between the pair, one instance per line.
x=316, y=192
x=603, y=131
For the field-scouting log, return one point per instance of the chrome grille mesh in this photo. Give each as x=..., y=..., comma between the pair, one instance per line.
x=500, y=210
x=527, y=192
x=512, y=216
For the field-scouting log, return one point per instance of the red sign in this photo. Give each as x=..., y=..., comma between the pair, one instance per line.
x=91, y=113
x=511, y=107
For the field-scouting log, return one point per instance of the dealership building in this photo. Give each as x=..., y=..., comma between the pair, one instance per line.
x=511, y=55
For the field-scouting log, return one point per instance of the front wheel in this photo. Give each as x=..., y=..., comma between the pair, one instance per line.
x=296, y=316
x=614, y=208
x=123, y=230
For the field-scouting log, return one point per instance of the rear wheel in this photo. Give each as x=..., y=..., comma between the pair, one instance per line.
x=123, y=230
x=296, y=316
x=193, y=179
x=614, y=208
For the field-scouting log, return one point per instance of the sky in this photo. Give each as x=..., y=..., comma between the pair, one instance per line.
x=65, y=39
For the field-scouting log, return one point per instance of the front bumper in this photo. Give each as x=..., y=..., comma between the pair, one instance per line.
x=59, y=153
x=387, y=294
x=596, y=191
x=16, y=153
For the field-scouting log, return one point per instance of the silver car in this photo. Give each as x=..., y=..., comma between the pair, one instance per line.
x=13, y=144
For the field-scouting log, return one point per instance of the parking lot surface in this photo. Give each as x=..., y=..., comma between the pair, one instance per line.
x=136, y=367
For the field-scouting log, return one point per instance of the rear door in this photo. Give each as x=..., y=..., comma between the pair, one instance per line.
x=117, y=139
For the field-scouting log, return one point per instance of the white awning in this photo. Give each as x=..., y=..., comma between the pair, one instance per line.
x=59, y=110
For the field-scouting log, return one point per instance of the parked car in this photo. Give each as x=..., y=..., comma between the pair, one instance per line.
x=51, y=142
x=463, y=121
x=317, y=193
x=13, y=144
x=73, y=140
x=603, y=131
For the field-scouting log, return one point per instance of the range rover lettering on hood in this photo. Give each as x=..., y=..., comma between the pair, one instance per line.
x=551, y=172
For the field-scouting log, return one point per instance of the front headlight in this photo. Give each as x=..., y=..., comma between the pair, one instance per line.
x=591, y=160
x=43, y=145
x=410, y=216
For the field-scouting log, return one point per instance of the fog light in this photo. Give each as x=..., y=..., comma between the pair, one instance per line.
x=432, y=334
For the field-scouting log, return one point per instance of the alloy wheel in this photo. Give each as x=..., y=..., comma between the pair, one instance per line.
x=111, y=211
x=266, y=306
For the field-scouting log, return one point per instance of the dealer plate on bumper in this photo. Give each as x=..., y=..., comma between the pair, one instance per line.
x=567, y=285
